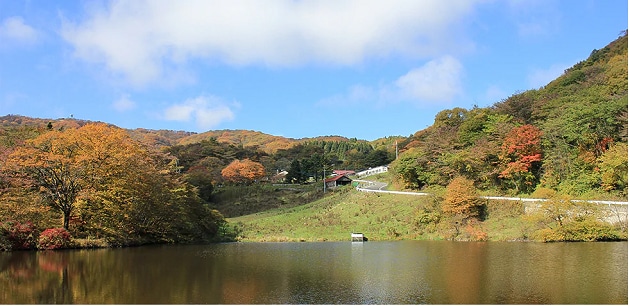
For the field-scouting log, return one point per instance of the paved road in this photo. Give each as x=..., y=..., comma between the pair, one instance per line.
x=372, y=186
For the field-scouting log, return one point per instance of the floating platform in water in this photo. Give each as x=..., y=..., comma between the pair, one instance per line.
x=358, y=237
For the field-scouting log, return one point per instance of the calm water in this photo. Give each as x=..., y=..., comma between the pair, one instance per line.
x=409, y=272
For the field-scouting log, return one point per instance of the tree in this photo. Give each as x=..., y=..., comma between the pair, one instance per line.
x=295, y=174
x=201, y=178
x=462, y=199
x=521, y=153
x=50, y=162
x=613, y=166
x=410, y=170
x=243, y=171
x=70, y=165
x=378, y=158
x=450, y=117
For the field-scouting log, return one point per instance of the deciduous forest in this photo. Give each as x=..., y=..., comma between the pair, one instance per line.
x=570, y=136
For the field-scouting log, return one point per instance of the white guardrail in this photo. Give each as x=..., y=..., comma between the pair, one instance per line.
x=483, y=197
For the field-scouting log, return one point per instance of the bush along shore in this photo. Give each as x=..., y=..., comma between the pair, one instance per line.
x=16, y=236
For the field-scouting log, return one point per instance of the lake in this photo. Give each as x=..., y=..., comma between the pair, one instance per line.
x=400, y=272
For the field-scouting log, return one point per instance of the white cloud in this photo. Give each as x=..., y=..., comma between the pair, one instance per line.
x=540, y=77
x=124, y=104
x=543, y=23
x=137, y=39
x=206, y=111
x=436, y=82
x=14, y=29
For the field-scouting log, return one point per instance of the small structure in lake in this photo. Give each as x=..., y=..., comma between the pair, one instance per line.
x=358, y=237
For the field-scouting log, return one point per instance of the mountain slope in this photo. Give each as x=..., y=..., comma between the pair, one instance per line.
x=569, y=136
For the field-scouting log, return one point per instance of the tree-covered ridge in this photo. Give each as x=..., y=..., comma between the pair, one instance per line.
x=258, y=140
x=570, y=136
x=255, y=140
x=154, y=138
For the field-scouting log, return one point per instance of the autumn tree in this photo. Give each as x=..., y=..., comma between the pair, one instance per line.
x=613, y=166
x=463, y=208
x=50, y=162
x=462, y=199
x=74, y=164
x=521, y=154
x=243, y=171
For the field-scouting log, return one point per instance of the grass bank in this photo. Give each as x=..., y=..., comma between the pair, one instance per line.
x=378, y=216
x=234, y=201
x=394, y=217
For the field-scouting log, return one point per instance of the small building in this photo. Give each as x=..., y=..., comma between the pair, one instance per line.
x=372, y=171
x=344, y=172
x=337, y=180
x=279, y=177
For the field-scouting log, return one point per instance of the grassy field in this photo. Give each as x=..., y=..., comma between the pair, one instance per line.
x=378, y=216
x=234, y=201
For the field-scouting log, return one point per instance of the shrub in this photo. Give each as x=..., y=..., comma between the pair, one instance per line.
x=548, y=235
x=589, y=230
x=90, y=243
x=19, y=236
x=579, y=231
x=475, y=232
x=5, y=244
x=54, y=238
x=427, y=221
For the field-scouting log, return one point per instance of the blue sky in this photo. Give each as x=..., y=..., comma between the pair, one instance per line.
x=364, y=69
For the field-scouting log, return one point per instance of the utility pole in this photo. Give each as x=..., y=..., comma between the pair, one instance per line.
x=396, y=149
x=324, y=179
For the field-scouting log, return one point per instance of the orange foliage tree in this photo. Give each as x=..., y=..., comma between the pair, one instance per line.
x=464, y=208
x=461, y=199
x=521, y=153
x=243, y=171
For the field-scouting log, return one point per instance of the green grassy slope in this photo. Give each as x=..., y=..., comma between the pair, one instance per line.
x=378, y=216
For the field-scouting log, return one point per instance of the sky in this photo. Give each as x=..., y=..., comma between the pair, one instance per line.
x=294, y=68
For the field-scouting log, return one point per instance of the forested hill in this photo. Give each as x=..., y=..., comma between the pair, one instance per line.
x=165, y=138
x=570, y=136
x=253, y=139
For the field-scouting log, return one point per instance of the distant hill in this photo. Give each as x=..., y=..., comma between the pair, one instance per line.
x=265, y=142
x=9, y=121
x=166, y=138
x=254, y=139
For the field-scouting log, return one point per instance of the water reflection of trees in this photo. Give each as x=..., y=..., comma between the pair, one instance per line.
x=404, y=273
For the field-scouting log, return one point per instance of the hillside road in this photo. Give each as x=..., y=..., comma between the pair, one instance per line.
x=373, y=186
